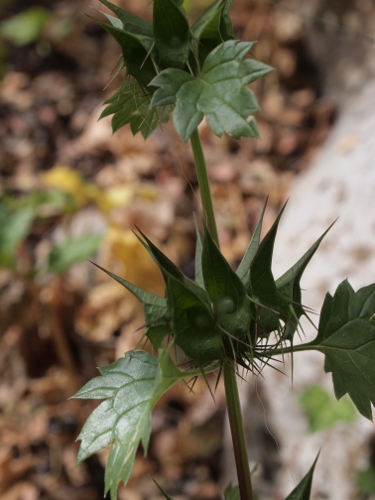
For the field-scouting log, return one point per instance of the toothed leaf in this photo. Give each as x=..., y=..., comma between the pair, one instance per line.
x=346, y=336
x=220, y=93
x=131, y=105
x=131, y=386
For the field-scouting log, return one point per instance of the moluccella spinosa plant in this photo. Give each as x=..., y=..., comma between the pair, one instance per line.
x=225, y=320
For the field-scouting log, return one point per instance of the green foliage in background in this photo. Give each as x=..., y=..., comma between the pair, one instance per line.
x=323, y=411
x=26, y=27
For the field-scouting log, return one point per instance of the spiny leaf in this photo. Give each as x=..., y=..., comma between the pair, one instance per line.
x=226, y=28
x=130, y=22
x=194, y=327
x=131, y=104
x=346, y=336
x=303, y=490
x=227, y=292
x=243, y=270
x=206, y=31
x=135, y=51
x=289, y=288
x=131, y=386
x=155, y=310
x=171, y=34
x=261, y=284
x=220, y=93
x=168, y=268
x=123, y=420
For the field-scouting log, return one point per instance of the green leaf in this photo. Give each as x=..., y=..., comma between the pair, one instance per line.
x=135, y=51
x=226, y=28
x=227, y=292
x=171, y=34
x=73, y=251
x=220, y=93
x=323, y=411
x=261, y=285
x=289, y=288
x=303, y=490
x=155, y=310
x=243, y=270
x=346, y=336
x=194, y=327
x=233, y=493
x=129, y=22
x=26, y=27
x=162, y=491
x=14, y=227
x=130, y=386
x=366, y=481
x=168, y=268
x=123, y=420
x=131, y=104
x=206, y=31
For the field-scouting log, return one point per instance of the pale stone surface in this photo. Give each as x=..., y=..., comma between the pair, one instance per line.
x=340, y=183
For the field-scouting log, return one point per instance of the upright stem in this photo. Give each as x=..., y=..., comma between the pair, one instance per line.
x=204, y=185
x=230, y=382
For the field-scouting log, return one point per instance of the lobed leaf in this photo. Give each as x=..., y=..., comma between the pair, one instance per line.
x=346, y=336
x=220, y=93
x=131, y=386
x=131, y=104
x=123, y=420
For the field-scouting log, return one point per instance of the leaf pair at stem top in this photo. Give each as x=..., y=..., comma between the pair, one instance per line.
x=201, y=71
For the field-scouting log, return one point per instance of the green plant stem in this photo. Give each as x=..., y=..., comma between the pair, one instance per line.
x=238, y=434
x=230, y=381
x=204, y=185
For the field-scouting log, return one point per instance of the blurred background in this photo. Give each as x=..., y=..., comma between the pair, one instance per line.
x=70, y=191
